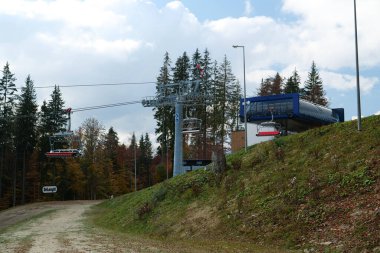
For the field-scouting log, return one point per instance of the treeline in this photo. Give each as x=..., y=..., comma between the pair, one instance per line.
x=219, y=116
x=312, y=91
x=106, y=167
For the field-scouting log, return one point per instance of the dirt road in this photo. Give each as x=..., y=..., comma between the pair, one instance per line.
x=60, y=227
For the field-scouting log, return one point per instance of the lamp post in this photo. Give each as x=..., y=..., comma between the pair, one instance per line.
x=245, y=97
x=357, y=72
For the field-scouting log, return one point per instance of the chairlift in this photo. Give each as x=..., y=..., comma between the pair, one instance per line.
x=191, y=125
x=268, y=128
x=65, y=143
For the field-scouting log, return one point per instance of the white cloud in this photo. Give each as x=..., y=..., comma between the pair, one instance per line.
x=377, y=113
x=248, y=8
x=96, y=41
x=344, y=82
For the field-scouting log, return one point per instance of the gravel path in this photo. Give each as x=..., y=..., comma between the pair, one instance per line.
x=59, y=227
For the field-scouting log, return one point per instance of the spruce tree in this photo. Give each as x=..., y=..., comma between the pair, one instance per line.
x=164, y=115
x=26, y=116
x=265, y=87
x=228, y=93
x=293, y=83
x=313, y=90
x=58, y=116
x=25, y=127
x=111, y=147
x=276, y=87
x=7, y=104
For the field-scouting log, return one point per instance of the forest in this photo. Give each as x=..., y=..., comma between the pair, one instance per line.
x=107, y=167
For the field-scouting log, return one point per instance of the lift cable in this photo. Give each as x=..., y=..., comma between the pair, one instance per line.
x=95, y=107
x=91, y=85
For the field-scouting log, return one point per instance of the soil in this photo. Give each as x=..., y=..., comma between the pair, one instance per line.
x=63, y=230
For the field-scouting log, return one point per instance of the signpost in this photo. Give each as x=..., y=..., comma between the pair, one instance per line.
x=49, y=189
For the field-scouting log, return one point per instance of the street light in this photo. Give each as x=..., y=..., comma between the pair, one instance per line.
x=245, y=97
x=357, y=73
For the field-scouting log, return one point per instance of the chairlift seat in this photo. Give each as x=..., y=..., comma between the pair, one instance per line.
x=63, y=153
x=269, y=128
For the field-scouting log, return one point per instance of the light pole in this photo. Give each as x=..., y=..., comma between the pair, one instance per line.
x=245, y=104
x=357, y=73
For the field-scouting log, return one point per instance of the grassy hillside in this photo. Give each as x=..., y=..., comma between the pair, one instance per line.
x=318, y=190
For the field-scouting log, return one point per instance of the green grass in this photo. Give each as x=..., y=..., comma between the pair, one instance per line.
x=279, y=193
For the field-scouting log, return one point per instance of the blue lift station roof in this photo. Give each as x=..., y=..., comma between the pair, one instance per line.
x=292, y=112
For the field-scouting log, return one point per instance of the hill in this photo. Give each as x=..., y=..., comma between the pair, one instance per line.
x=317, y=191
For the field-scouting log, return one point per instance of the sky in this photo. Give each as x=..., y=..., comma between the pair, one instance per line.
x=73, y=42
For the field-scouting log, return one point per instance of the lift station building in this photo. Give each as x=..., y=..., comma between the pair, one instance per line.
x=293, y=113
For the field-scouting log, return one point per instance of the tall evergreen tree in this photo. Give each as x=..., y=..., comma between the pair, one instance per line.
x=276, y=87
x=207, y=81
x=265, y=87
x=25, y=127
x=111, y=147
x=182, y=68
x=313, y=90
x=164, y=115
x=7, y=104
x=58, y=115
x=26, y=116
x=293, y=83
x=145, y=160
x=228, y=96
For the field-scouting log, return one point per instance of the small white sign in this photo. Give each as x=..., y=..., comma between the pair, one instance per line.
x=49, y=189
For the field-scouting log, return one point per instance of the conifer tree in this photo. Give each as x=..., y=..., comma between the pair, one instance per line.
x=58, y=116
x=7, y=104
x=276, y=87
x=25, y=127
x=228, y=94
x=111, y=147
x=265, y=87
x=313, y=90
x=164, y=115
x=26, y=116
x=293, y=83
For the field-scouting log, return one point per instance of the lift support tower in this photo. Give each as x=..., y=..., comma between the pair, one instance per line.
x=178, y=94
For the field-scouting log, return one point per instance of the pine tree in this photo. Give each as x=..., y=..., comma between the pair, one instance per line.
x=58, y=116
x=7, y=104
x=265, y=87
x=25, y=127
x=26, y=116
x=145, y=160
x=228, y=94
x=293, y=83
x=164, y=115
x=313, y=90
x=276, y=87
x=111, y=147
x=206, y=88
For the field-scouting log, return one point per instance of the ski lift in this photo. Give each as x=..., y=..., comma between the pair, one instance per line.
x=191, y=125
x=269, y=128
x=65, y=144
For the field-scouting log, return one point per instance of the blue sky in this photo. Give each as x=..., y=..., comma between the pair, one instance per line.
x=96, y=41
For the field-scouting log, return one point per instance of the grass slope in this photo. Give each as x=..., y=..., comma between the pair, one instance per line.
x=318, y=190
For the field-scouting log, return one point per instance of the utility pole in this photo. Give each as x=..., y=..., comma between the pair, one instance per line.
x=357, y=73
